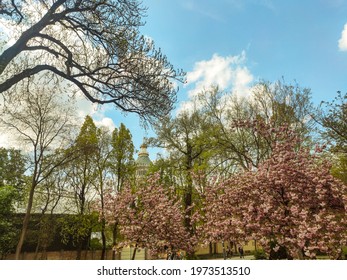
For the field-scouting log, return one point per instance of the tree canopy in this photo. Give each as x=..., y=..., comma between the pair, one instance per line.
x=94, y=45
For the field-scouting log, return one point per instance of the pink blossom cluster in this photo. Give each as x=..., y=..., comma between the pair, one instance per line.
x=149, y=217
x=291, y=200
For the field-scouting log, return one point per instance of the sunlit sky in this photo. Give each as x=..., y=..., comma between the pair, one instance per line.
x=236, y=43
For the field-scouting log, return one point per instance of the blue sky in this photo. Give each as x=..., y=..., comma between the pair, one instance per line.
x=236, y=43
x=294, y=39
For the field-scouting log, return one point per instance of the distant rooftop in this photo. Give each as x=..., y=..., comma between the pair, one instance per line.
x=143, y=161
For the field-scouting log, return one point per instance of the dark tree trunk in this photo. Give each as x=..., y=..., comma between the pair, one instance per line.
x=27, y=216
x=134, y=253
x=103, y=238
x=114, y=237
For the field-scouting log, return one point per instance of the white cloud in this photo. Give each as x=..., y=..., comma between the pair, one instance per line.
x=5, y=141
x=225, y=72
x=343, y=39
x=228, y=73
x=84, y=107
x=97, y=112
x=105, y=122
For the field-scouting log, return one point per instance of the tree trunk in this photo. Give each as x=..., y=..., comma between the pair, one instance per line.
x=114, y=241
x=26, y=220
x=188, y=196
x=79, y=250
x=37, y=249
x=134, y=253
x=103, y=238
x=224, y=252
x=300, y=254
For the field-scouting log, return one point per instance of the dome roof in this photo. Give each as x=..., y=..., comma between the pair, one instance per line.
x=143, y=161
x=143, y=158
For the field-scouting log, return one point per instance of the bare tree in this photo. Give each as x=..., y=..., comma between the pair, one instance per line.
x=40, y=121
x=96, y=46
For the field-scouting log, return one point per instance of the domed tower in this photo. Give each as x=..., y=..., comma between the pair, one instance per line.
x=143, y=162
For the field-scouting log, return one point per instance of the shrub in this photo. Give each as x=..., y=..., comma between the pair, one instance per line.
x=260, y=255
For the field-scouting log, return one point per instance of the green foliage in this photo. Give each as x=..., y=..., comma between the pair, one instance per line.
x=83, y=170
x=123, y=165
x=260, y=255
x=8, y=232
x=87, y=139
x=279, y=254
x=166, y=168
x=339, y=168
x=77, y=228
x=12, y=168
x=344, y=252
x=7, y=195
x=95, y=244
x=47, y=231
x=334, y=120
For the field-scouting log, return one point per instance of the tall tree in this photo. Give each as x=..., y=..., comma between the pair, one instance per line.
x=83, y=175
x=339, y=168
x=103, y=182
x=123, y=164
x=40, y=121
x=122, y=167
x=94, y=45
x=185, y=136
x=270, y=104
x=333, y=118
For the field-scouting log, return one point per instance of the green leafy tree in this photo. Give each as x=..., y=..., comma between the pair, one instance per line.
x=339, y=168
x=12, y=168
x=103, y=180
x=185, y=137
x=116, y=166
x=271, y=104
x=123, y=164
x=333, y=118
x=77, y=229
x=83, y=176
x=8, y=232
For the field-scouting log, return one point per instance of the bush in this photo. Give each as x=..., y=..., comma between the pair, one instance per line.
x=260, y=255
x=95, y=244
x=280, y=254
x=344, y=253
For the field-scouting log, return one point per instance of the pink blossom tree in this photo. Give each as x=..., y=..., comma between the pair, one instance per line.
x=296, y=203
x=291, y=202
x=224, y=214
x=149, y=217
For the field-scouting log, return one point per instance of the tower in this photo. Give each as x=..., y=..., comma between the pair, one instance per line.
x=143, y=162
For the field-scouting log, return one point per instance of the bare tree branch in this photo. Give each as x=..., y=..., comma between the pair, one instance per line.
x=96, y=45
